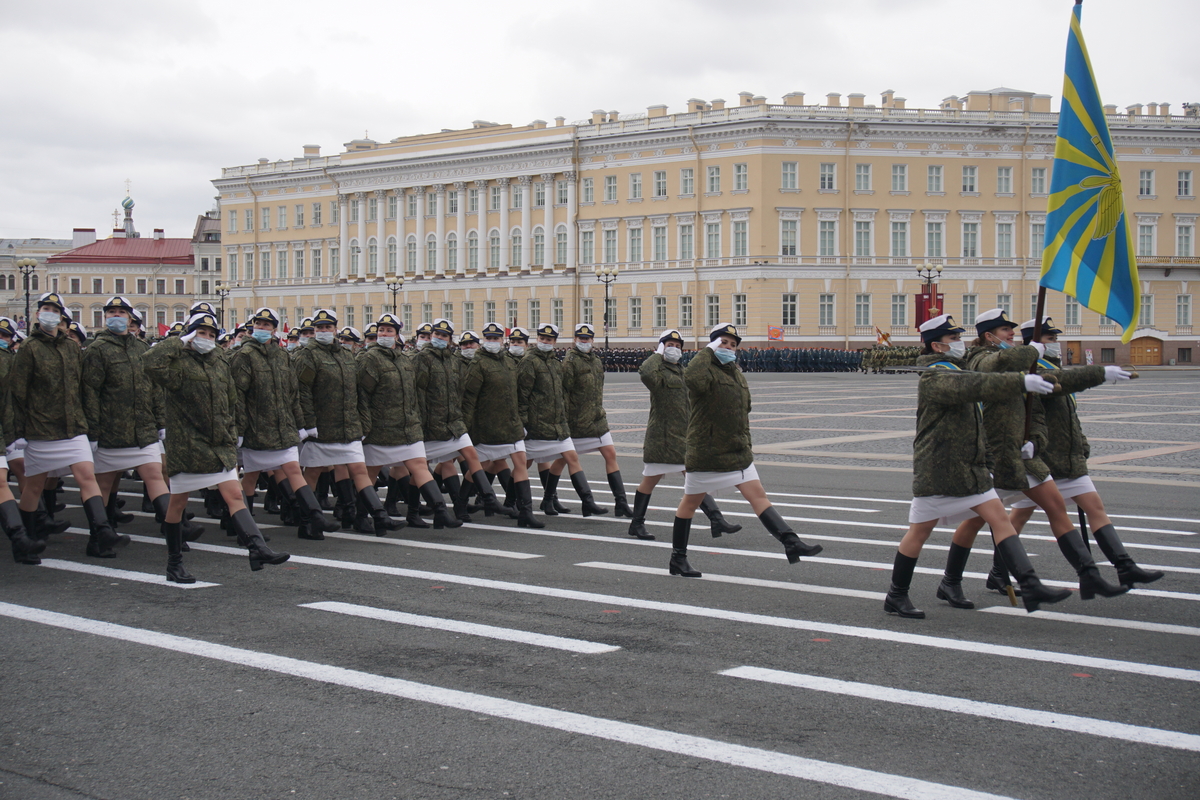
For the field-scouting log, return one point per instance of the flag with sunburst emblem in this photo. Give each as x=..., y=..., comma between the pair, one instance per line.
x=1089, y=250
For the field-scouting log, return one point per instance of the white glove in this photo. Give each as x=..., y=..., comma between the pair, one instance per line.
x=312, y=433
x=1038, y=385
x=1041, y=348
x=239, y=441
x=162, y=434
x=19, y=444
x=1027, y=451
x=187, y=337
x=1116, y=374
x=303, y=434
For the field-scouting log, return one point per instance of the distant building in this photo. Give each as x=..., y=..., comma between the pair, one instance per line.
x=12, y=285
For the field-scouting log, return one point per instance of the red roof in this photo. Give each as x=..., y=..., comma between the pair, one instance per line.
x=129, y=251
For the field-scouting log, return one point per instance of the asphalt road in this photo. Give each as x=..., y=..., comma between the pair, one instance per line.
x=497, y=662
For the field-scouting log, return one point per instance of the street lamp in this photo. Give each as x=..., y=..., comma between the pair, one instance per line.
x=395, y=287
x=606, y=275
x=223, y=291
x=929, y=275
x=27, y=266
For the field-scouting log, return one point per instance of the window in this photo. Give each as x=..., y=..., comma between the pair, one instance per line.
x=1183, y=240
x=1145, y=241
x=407, y=314
x=204, y=265
x=610, y=187
x=335, y=212
x=1004, y=240
x=1146, y=183
x=410, y=254
x=687, y=181
x=217, y=263
x=740, y=312
x=1185, y=183
x=1183, y=309
x=264, y=265
x=539, y=248
x=1147, y=317
x=539, y=197
x=635, y=312
x=249, y=271
x=586, y=311
x=281, y=264
x=118, y=285
x=660, y=184
x=354, y=210
x=970, y=240
x=899, y=177
x=468, y=315
x=372, y=258
x=969, y=179
x=588, y=190
x=862, y=177
x=393, y=206
x=431, y=253
x=535, y=313
x=556, y=311
x=249, y=220
x=410, y=205
x=355, y=252
x=827, y=238
x=494, y=251
x=787, y=237
x=98, y=286
x=712, y=240
x=560, y=247
x=741, y=243
x=1005, y=301
x=1184, y=355
x=825, y=310
x=495, y=199
x=316, y=261
x=473, y=201
x=635, y=245
x=712, y=310
x=900, y=239
x=430, y=204
x=233, y=222
x=518, y=196
x=393, y=257
x=933, y=181
x=687, y=247
x=685, y=311
x=789, y=176
x=489, y=311
x=659, y=236
x=473, y=251
x=1033, y=305
x=610, y=314
x=1003, y=180
x=970, y=304
x=899, y=310
x=282, y=216
x=1037, y=239
x=933, y=240
x=335, y=261
x=299, y=260
x=660, y=312
x=160, y=286
x=610, y=247
x=427, y=312
x=587, y=247
x=741, y=177
x=1071, y=315
x=862, y=238
x=862, y=309
x=516, y=248
x=266, y=219
x=714, y=180
x=635, y=186
x=1037, y=181
x=828, y=179
x=790, y=310
x=560, y=190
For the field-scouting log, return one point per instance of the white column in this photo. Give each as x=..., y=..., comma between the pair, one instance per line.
x=360, y=199
x=440, y=227
x=548, y=222
x=572, y=215
x=505, y=252
x=482, y=186
x=343, y=236
x=399, y=230
x=526, y=184
x=380, y=231
x=460, y=229
x=420, y=190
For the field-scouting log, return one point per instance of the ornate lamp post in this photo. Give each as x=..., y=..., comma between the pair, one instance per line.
x=27, y=266
x=929, y=275
x=222, y=291
x=394, y=287
x=606, y=275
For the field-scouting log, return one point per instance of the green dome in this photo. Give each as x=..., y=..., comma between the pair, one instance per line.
x=127, y=203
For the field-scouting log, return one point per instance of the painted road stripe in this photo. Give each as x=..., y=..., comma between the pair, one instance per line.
x=469, y=628
x=958, y=705
x=453, y=548
x=580, y=724
x=121, y=574
x=795, y=587
x=1083, y=619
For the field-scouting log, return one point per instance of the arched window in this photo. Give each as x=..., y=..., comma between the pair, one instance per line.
x=452, y=252
x=516, y=244
x=372, y=257
x=410, y=255
x=473, y=251
x=494, y=250
x=430, y=253
x=354, y=252
x=539, y=247
x=560, y=245
x=391, y=253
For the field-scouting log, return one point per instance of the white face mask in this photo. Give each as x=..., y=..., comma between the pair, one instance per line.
x=493, y=347
x=672, y=354
x=304, y=340
x=203, y=345
x=517, y=349
x=957, y=349
x=545, y=348
x=422, y=344
x=387, y=342
x=292, y=345
x=468, y=353
x=1054, y=349
x=49, y=320
x=324, y=337
x=584, y=347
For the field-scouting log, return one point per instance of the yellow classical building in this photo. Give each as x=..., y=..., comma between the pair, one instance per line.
x=813, y=219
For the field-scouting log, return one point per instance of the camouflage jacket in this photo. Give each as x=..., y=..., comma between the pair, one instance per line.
x=439, y=394
x=718, y=433
x=666, y=432
x=583, y=387
x=200, y=400
x=950, y=450
x=540, y=396
x=490, y=409
x=328, y=384
x=45, y=385
x=1004, y=419
x=268, y=396
x=388, y=398
x=8, y=420
x=1067, y=448
x=122, y=404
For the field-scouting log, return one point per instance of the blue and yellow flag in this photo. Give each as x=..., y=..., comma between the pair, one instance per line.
x=1089, y=246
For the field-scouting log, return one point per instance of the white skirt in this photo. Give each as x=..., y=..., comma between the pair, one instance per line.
x=186, y=482
x=650, y=470
x=1067, y=487
x=381, y=456
x=947, y=509
x=262, y=460
x=439, y=452
x=57, y=454
x=592, y=443
x=494, y=452
x=1010, y=494
x=547, y=449
x=119, y=459
x=331, y=454
x=713, y=482
x=14, y=453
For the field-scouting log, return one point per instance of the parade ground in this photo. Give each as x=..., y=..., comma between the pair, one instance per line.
x=496, y=662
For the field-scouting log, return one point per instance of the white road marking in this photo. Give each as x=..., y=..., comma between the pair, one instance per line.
x=469, y=628
x=765, y=584
x=121, y=574
x=453, y=548
x=1108, y=622
x=881, y=783
x=958, y=705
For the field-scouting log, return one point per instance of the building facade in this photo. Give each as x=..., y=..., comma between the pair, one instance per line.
x=812, y=219
x=13, y=284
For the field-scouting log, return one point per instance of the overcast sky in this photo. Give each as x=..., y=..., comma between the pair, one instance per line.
x=165, y=93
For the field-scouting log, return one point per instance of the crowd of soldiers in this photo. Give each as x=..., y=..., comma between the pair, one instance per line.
x=886, y=359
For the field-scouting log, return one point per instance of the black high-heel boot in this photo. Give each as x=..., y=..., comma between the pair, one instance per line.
x=1113, y=548
x=214, y=505
x=950, y=589
x=997, y=579
x=289, y=509
x=47, y=524
x=579, y=481
x=1091, y=583
x=369, y=498
x=175, y=571
x=115, y=515
x=505, y=479
x=637, y=526
x=441, y=515
x=620, y=504
x=897, y=601
x=103, y=538
x=1033, y=591
x=313, y=521
x=793, y=548
x=491, y=505
x=395, y=494
x=679, y=565
x=454, y=492
x=190, y=531
x=271, y=499
x=347, y=506
x=525, y=517
x=324, y=481
x=250, y=537
x=147, y=503
x=715, y=518
x=547, y=505
x=25, y=549
x=362, y=517
x=413, y=520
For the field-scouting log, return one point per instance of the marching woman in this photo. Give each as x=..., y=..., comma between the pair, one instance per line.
x=719, y=450
x=202, y=439
x=490, y=412
x=391, y=420
x=950, y=466
x=52, y=426
x=665, y=444
x=1067, y=452
x=1017, y=465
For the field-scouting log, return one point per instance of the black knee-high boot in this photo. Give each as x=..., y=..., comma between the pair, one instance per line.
x=382, y=523
x=997, y=579
x=715, y=518
x=679, y=565
x=793, y=547
x=347, y=502
x=637, y=526
x=413, y=520
x=441, y=515
x=25, y=548
x=1113, y=548
x=190, y=531
x=1033, y=591
x=584, y=490
x=175, y=570
x=115, y=515
x=271, y=499
x=525, y=517
x=1090, y=581
x=324, y=482
x=396, y=489
x=250, y=537
x=897, y=601
x=620, y=504
x=455, y=495
x=103, y=541
x=505, y=479
x=950, y=589
x=491, y=505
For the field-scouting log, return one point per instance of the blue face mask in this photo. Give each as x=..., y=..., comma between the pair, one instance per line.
x=117, y=325
x=1003, y=345
x=261, y=336
x=439, y=344
x=724, y=356
x=3, y=344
